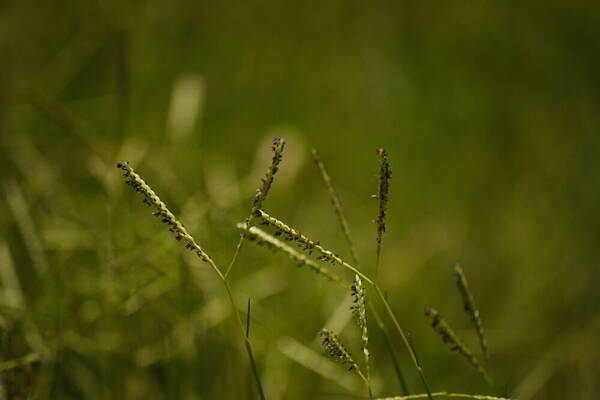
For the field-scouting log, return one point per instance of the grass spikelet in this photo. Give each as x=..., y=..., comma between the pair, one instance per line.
x=263, y=238
x=360, y=315
x=449, y=337
x=305, y=243
x=338, y=352
x=385, y=174
x=278, y=145
x=470, y=308
x=337, y=205
x=162, y=212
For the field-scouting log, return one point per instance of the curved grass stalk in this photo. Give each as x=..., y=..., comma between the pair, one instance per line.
x=444, y=394
x=390, y=349
x=181, y=234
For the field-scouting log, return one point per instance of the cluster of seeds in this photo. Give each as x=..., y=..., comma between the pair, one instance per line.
x=470, y=308
x=336, y=349
x=277, y=146
x=450, y=338
x=151, y=198
x=262, y=238
x=290, y=234
x=385, y=174
x=304, y=242
x=360, y=314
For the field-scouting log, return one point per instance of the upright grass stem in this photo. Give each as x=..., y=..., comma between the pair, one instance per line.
x=181, y=234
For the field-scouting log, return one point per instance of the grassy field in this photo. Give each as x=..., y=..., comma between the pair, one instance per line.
x=489, y=113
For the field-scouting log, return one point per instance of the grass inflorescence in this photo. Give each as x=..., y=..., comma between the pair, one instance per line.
x=162, y=212
x=450, y=338
x=262, y=238
x=470, y=307
x=385, y=174
x=309, y=253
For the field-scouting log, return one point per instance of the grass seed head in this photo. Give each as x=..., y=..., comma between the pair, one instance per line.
x=450, y=338
x=161, y=211
x=336, y=349
x=277, y=147
x=470, y=307
x=385, y=174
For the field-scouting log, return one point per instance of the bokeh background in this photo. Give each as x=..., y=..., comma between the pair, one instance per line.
x=489, y=111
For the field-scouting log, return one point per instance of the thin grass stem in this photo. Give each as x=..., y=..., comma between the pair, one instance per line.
x=337, y=205
x=444, y=394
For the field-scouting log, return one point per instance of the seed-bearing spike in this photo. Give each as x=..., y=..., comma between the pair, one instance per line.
x=307, y=244
x=360, y=315
x=262, y=238
x=278, y=145
x=385, y=174
x=450, y=338
x=470, y=307
x=150, y=197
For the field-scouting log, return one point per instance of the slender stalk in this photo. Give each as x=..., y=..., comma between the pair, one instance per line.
x=444, y=394
x=337, y=205
x=408, y=345
x=390, y=349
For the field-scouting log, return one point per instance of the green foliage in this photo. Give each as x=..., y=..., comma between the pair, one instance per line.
x=489, y=113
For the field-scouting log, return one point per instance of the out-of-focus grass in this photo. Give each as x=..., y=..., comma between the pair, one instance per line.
x=488, y=111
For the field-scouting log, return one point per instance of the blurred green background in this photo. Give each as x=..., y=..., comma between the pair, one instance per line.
x=489, y=111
